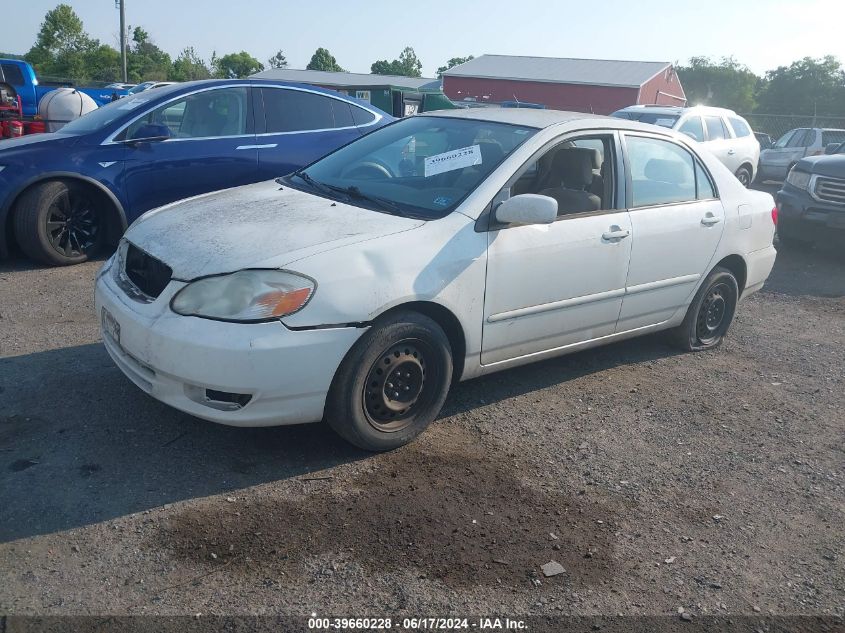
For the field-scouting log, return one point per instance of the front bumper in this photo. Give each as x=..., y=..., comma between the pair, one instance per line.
x=176, y=359
x=802, y=216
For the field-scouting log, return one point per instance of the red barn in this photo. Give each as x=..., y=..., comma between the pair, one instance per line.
x=600, y=86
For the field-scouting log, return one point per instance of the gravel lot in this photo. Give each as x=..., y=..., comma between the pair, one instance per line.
x=711, y=482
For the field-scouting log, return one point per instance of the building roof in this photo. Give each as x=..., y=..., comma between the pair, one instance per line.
x=598, y=72
x=340, y=80
x=528, y=117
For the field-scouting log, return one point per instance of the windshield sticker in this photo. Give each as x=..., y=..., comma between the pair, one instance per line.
x=131, y=104
x=442, y=201
x=450, y=161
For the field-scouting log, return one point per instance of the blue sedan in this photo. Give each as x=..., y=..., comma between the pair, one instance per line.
x=66, y=195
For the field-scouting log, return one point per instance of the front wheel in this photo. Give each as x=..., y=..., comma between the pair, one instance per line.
x=710, y=314
x=58, y=223
x=392, y=383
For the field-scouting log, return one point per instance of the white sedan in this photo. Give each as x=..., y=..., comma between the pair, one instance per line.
x=439, y=248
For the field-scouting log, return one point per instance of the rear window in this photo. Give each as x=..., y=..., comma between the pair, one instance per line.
x=288, y=110
x=833, y=136
x=655, y=118
x=362, y=116
x=740, y=127
x=13, y=74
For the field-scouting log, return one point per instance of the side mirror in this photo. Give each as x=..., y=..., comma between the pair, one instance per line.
x=527, y=208
x=831, y=148
x=150, y=132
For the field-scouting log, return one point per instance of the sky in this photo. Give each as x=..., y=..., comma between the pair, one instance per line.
x=762, y=34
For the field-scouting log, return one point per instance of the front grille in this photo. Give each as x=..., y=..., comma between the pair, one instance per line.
x=146, y=273
x=830, y=190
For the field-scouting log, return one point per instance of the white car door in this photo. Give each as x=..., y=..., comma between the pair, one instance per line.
x=549, y=286
x=676, y=221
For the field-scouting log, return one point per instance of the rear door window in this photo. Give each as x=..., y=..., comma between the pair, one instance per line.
x=287, y=110
x=662, y=172
x=833, y=136
x=715, y=129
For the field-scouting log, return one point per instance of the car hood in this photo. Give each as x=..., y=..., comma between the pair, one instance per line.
x=831, y=165
x=265, y=225
x=34, y=139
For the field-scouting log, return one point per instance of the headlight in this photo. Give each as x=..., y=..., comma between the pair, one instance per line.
x=800, y=179
x=245, y=296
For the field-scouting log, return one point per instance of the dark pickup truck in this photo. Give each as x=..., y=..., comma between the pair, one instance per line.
x=812, y=202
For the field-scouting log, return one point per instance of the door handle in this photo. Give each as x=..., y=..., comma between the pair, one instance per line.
x=731, y=152
x=615, y=233
x=710, y=220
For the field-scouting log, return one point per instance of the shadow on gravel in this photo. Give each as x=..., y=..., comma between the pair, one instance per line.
x=809, y=272
x=80, y=444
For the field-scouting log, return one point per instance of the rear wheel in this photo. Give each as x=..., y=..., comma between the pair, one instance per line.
x=710, y=314
x=392, y=383
x=743, y=175
x=59, y=223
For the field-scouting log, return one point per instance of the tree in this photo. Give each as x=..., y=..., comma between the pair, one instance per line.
x=726, y=83
x=808, y=86
x=61, y=45
x=188, y=67
x=455, y=61
x=236, y=65
x=278, y=61
x=322, y=59
x=144, y=60
x=408, y=65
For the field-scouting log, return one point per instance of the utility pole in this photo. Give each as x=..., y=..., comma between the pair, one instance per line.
x=121, y=4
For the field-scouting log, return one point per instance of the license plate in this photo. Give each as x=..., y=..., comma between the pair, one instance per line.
x=111, y=327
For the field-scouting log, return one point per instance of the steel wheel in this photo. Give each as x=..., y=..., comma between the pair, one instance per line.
x=396, y=386
x=712, y=314
x=72, y=224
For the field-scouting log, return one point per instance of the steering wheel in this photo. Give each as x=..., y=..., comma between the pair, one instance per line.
x=368, y=170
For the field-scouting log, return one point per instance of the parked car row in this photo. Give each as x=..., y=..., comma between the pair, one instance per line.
x=812, y=200
x=776, y=162
x=66, y=194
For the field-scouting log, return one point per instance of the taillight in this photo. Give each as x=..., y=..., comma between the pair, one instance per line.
x=775, y=215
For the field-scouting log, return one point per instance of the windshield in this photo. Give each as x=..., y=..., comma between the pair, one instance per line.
x=420, y=167
x=655, y=118
x=101, y=117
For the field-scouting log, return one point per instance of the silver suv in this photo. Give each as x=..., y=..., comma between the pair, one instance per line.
x=776, y=162
x=723, y=132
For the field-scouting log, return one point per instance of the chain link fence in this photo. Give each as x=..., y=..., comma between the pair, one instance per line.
x=776, y=125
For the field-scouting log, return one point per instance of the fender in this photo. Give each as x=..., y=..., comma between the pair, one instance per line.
x=53, y=175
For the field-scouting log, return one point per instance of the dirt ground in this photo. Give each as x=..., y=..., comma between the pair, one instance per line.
x=711, y=483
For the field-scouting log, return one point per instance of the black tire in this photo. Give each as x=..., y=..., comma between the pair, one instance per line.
x=59, y=223
x=743, y=175
x=404, y=344
x=710, y=314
